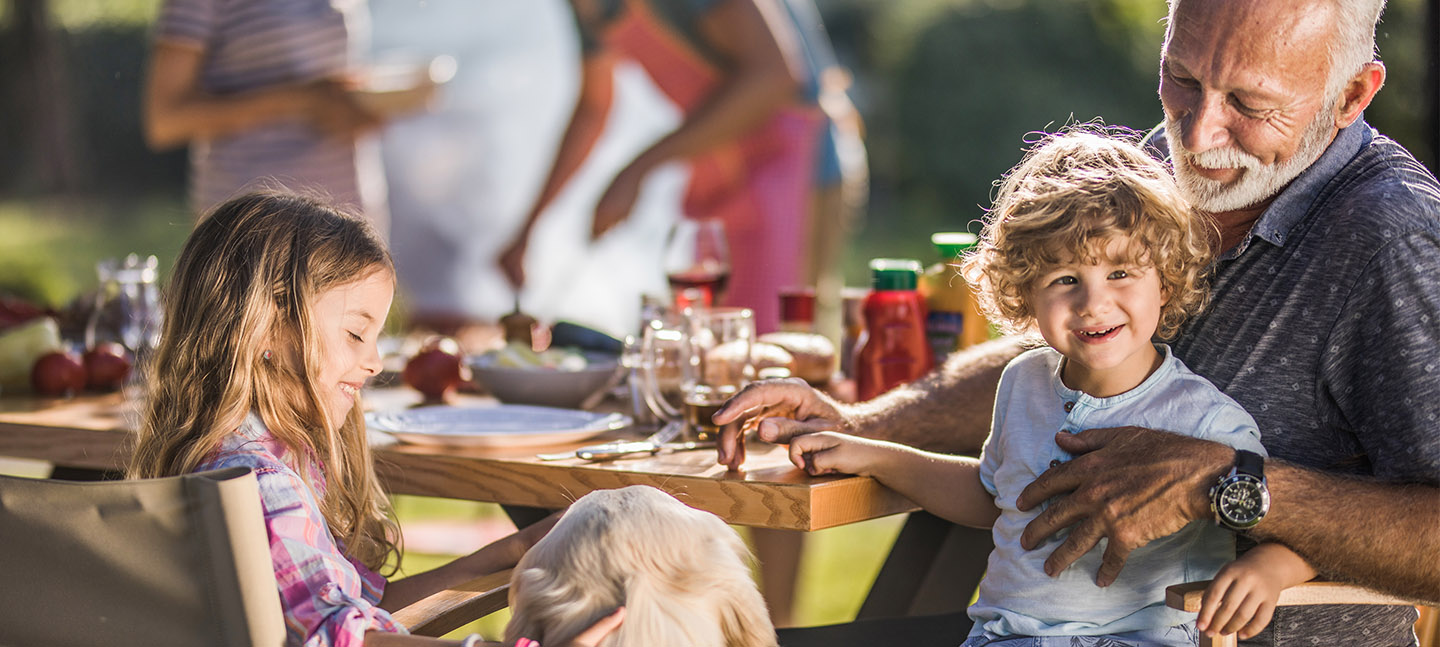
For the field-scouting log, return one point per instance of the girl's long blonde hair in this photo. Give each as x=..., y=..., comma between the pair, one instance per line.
x=244, y=285
x=682, y=575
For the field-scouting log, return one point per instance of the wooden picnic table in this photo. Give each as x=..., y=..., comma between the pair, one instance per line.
x=93, y=431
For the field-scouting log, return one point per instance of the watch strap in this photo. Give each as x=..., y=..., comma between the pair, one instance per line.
x=1250, y=463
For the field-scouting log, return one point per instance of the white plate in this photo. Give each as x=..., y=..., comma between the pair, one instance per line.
x=506, y=425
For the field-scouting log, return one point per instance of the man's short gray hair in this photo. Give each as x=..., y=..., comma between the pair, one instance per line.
x=1354, y=43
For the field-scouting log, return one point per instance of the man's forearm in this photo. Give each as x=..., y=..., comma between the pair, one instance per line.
x=948, y=410
x=1383, y=536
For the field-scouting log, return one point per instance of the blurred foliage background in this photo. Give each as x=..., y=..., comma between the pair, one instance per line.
x=948, y=88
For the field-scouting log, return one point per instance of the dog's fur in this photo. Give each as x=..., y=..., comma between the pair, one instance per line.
x=682, y=575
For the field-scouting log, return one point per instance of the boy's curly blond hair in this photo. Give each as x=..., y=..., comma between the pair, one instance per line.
x=1072, y=194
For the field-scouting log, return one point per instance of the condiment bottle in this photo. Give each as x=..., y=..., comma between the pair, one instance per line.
x=797, y=310
x=953, y=320
x=852, y=310
x=892, y=349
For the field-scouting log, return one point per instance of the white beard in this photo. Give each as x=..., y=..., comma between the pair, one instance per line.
x=1258, y=181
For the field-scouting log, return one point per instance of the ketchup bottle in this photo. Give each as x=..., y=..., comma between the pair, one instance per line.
x=892, y=350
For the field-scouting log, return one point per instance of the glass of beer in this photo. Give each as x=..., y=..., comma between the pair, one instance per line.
x=716, y=364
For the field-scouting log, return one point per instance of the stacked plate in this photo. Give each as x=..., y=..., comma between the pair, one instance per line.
x=506, y=425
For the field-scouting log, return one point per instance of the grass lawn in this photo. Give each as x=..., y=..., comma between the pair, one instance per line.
x=49, y=247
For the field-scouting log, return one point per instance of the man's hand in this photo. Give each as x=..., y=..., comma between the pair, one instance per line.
x=1128, y=485
x=778, y=410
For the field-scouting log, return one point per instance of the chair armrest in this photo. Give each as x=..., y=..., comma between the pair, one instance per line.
x=1186, y=597
x=448, y=610
x=386, y=639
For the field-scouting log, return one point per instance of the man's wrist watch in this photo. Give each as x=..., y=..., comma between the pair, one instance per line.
x=1241, y=498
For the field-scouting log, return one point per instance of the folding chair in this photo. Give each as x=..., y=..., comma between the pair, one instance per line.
x=171, y=561
x=1186, y=597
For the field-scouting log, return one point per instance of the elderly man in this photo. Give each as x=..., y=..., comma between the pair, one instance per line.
x=1325, y=325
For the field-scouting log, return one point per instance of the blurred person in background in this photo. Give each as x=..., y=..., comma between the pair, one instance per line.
x=838, y=197
x=748, y=133
x=258, y=90
x=461, y=175
x=841, y=188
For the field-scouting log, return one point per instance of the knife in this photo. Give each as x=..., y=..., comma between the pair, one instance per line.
x=650, y=445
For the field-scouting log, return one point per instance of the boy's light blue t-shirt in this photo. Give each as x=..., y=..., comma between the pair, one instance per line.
x=1016, y=596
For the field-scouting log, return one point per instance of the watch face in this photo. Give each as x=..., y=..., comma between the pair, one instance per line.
x=1243, y=501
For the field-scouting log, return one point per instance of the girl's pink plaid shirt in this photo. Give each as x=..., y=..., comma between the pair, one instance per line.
x=328, y=599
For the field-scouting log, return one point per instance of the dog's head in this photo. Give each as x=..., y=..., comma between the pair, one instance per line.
x=682, y=575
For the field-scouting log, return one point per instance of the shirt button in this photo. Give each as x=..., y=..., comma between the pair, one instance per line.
x=1069, y=406
x=1055, y=463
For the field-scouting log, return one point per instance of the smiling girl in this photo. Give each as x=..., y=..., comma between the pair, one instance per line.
x=272, y=317
x=1091, y=245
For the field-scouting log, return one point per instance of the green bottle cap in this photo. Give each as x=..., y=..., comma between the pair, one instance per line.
x=894, y=273
x=953, y=243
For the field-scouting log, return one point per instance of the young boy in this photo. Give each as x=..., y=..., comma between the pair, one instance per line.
x=1090, y=244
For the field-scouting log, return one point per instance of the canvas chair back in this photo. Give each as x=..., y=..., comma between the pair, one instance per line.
x=170, y=561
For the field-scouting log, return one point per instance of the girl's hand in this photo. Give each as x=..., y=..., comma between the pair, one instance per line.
x=600, y=630
x=515, y=545
x=828, y=452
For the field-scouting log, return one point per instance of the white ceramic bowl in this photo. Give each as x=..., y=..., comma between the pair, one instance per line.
x=546, y=387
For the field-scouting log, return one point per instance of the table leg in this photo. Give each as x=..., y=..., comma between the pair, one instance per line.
x=525, y=515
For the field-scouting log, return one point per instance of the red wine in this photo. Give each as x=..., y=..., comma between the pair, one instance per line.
x=698, y=286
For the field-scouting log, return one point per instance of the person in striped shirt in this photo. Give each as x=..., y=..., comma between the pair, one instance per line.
x=258, y=90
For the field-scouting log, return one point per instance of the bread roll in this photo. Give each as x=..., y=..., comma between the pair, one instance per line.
x=725, y=364
x=814, y=354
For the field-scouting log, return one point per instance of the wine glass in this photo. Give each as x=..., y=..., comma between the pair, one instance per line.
x=697, y=262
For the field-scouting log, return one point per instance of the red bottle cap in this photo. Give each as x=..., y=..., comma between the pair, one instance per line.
x=797, y=305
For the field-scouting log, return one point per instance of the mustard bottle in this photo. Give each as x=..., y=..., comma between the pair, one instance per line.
x=954, y=320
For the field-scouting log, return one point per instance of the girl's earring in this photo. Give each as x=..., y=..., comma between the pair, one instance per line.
x=265, y=355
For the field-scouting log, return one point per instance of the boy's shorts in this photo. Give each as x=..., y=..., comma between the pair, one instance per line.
x=1179, y=636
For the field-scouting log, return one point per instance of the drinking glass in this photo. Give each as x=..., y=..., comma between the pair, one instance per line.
x=654, y=359
x=697, y=262
x=716, y=364
x=127, y=306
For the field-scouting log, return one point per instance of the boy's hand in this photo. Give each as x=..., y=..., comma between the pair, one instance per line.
x=828, y=452
x=779, y=410
x=1241, y=599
